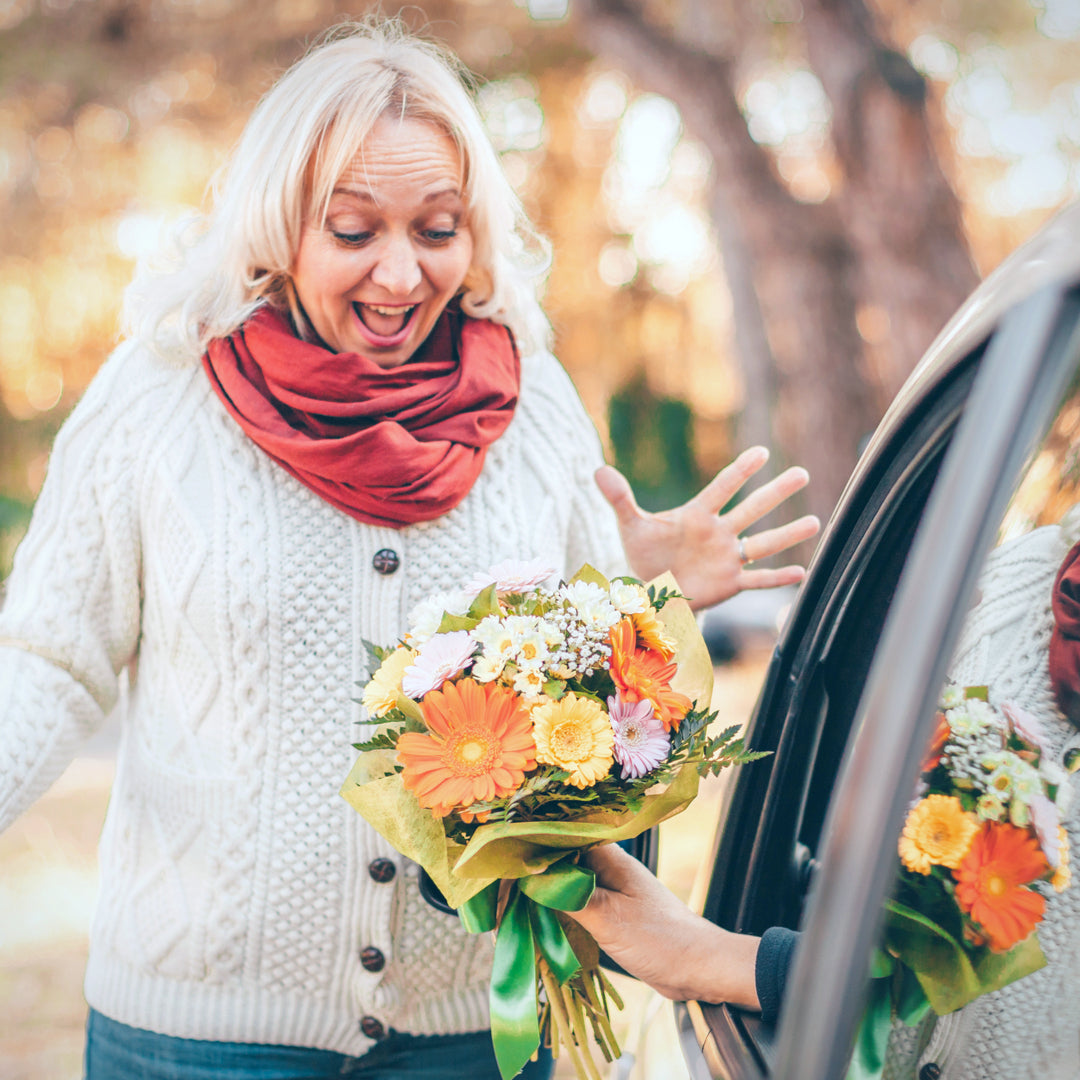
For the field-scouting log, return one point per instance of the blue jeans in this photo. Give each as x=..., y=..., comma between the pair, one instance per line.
x=118, y=1052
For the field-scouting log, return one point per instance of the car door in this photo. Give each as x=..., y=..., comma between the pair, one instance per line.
x=808, y=840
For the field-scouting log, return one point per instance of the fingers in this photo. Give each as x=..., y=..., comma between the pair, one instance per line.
x=619, y=872
x=717, y=493
x=767, y=498
x=771, y=579
x=615, y=869
x=616, y=489
x=771, y=541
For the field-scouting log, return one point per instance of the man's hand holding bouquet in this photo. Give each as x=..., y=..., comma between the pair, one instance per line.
x=515, y=726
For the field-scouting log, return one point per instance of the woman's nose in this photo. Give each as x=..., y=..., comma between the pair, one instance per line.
x=397, y=270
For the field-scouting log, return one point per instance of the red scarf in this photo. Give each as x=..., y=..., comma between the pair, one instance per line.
x=387, y=446
x=1065, y=639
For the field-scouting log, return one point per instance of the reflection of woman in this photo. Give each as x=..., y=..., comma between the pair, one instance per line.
x=321, y=418
x=1022, y=639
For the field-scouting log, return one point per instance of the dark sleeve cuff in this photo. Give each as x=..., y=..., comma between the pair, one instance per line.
x=771, y=968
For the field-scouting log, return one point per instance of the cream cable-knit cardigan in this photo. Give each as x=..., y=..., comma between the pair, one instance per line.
x=235, y=892
x=1031, y=1028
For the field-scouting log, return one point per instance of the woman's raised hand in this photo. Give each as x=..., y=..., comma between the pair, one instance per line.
x=701, y=546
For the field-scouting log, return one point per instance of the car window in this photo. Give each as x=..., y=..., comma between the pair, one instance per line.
x=772, y=825
x=1011, y=441
x=773, y=817
x=1004, y=647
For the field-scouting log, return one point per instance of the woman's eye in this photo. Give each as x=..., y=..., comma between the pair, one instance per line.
x=352, y=239
x=439, y=236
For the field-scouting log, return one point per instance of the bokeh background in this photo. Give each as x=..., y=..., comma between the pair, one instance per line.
x=762, y=211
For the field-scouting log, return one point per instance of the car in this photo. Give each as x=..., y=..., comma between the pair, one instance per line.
x=807, y=838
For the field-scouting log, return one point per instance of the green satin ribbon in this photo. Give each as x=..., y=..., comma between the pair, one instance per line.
x=529, y=925
x=894, y=991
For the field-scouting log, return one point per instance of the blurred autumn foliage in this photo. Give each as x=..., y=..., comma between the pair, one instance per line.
x=761, y=211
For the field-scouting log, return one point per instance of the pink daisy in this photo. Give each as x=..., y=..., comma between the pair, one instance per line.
x=1026, y=726
x=442, y=657
x=512, y=576
x=1046, y=819
x=641, y=742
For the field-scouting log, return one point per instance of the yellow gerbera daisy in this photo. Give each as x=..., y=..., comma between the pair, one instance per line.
x=574, y=734
x=651, y=633
x=381, y=694
x=1063, y=874
x=937, y=833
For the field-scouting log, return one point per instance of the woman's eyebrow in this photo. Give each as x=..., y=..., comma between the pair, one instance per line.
x=366, y=196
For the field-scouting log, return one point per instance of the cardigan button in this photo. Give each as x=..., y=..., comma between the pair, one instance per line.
x=930, y=1071
x=381, y=870
x=386, y=560
x=371, y=959
x=372, y=1028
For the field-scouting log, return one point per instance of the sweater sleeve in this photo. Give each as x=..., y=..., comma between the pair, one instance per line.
x=70, y=620
x=771, y=969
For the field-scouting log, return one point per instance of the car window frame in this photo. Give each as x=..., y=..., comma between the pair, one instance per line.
x=744, y=1042
x=743, y=852
x=1029, y=362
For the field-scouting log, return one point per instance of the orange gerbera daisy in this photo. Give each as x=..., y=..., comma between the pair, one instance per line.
x=990, y=884
x=644, y=675
x=937, y=744
x=479, y=746
x=651, y=632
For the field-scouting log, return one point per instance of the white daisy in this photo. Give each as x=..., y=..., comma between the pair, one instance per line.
x=488, y=668
x=427, y=616
x=529, y=682
x=628, y=599
x=592, y=604
x=951, y=696
x=496, y=637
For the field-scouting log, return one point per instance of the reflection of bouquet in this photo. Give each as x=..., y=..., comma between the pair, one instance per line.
x=981, y=845
x=516, y=726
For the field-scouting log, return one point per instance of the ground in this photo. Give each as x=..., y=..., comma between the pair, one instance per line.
x=48, y=880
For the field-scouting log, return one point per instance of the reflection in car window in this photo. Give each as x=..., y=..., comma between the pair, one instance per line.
x=1051, y=486
x=1031, y=1026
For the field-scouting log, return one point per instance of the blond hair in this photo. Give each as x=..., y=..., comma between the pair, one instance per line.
x=300, y=138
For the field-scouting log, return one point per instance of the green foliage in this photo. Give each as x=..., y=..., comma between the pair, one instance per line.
x=394, y=724
x=652, y=441
x=487, y=603
x=13, y=513
x=450, y=623
x=659, y=597
x=555, y=688
x=376, y=654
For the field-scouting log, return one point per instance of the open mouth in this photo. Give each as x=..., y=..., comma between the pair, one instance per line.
x=384, y=325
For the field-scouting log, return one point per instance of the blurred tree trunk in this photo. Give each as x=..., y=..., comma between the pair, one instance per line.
x=900, y=213
x=886, y=253
x=797, y=255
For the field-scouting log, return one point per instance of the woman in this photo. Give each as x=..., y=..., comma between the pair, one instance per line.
x=334, y=402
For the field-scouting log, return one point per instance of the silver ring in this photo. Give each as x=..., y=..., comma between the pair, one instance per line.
x=743, y=558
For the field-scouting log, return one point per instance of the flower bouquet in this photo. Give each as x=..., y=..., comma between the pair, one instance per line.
x=515, y=726
x=982, y=844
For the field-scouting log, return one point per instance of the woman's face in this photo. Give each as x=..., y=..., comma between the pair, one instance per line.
x=395, y=246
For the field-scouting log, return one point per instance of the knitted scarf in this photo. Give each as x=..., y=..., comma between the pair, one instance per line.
x=1065, y=639
x=387, y=446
